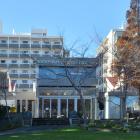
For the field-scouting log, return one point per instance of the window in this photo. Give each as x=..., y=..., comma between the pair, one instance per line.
x=35, y=42
x=3, y=41
x=46, y=52
x=35, y=51
x=44, y=34
x=105, y=61
x=105, y=70
x=3, y=61
x=14, y=51
x=14, y=61
x=25, y=42
x=25, y=71
x=56, y=42
x=25, y=61
x=24, y=52
x=24, y=81
x=14, y=41
x=13, y=71
x=46, y=42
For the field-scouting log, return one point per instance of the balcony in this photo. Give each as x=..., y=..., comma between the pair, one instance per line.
x=3, y=55
x=23, y=85
x=13, y=46
x=25, y=46
x=35, y=55
x=14, y=55
x=57, y=47
x=13, y=65
x=24, y=75
x=33, y=65
x=46, y=46
x=3, y=65
x=35, y=46
x=24, y=55
x=13, y=75
x=33, y=76
x=3, y=45
x=24, y=65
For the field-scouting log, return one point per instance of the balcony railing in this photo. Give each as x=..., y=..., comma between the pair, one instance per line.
x=15, y=46
x=3, y=45
x=57, y=47
x=13, y=65
x=24, y=55
x=24, y=75
x=35, y=46
x=3, y=65
x=35, y=55
x=33, y=65
x=24, y=65
x=23, y=85
x=3, y=55
x=33, y=76
x=14, y=55
x=13, y=75
x=25, y=46
x=46, y=46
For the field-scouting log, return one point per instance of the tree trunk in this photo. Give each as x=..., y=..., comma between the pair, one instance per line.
x=83, y=108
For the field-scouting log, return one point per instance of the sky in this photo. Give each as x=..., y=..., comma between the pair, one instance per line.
x=77, y=20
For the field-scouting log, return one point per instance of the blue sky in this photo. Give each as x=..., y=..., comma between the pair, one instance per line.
x=75, y=19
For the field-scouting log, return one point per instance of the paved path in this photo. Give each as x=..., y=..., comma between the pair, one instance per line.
x=31, y=129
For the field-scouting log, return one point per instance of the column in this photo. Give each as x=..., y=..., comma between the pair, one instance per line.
x=91, y=109
x=58, y=107
x=26, y=105
x=20, y=105
x=96, y=109
x=50, y=108
x=37, y=108
x=67, y=108
x=75, y=104
x=106, y=106
x=42, y=107
x=33, y=109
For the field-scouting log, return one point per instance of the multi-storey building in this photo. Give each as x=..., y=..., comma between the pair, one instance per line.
x=18, y=54
x=107, y=81
x=33, y=63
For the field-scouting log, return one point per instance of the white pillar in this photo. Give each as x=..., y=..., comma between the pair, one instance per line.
x=58, y=107
x=42, y=107
x=33, y=109
x=67, y=108
x=96, y=109
x=107, y=106
x=37, y=108
x=91, y=109
x=50, y=108
x=26, y=105
x=20, y=105
x=75, y=104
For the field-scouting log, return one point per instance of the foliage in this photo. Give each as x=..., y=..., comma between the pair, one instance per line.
x=3, y=110
x=12, y=109
x=128, y=52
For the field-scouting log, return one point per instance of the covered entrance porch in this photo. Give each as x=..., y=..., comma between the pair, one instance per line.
x=61, y=106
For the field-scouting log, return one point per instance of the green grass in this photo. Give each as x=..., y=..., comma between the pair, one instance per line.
x=71, y=134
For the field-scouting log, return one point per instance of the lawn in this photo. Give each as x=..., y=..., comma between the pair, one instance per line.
x=71, y=134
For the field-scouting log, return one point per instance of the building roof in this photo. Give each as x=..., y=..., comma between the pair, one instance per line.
x=113, y=80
